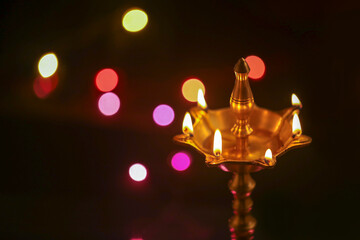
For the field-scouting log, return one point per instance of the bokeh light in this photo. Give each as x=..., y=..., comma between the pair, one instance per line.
x=109, y=104
x=106, y=80
x=44, y=86
x=134, y=20
x=190, y=89
x=257, y=67
x=163, y=115
x=137, y=172
x=47, y=65
x=180, y=161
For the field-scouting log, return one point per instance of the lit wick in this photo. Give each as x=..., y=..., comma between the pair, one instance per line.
x=217, y=146
x=296, y=127
x=295, y=101
x=187, y=126
x=201, y=100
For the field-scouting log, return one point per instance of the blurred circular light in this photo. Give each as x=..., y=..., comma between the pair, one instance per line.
x=137, y=172
x=257, y=67
x=180, y=161
x=44, y=86
x=134, y=20
x=163, y=115
x=190, y=89
x=106, y=80
x=47, y=65
x=109, y=104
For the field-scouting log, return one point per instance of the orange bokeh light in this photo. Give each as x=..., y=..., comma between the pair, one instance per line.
x=257, y=67
x=106, y=80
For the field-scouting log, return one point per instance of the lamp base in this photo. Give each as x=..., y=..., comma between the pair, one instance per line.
x=242, y=223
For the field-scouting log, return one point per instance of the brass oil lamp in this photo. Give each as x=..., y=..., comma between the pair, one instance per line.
x=242, y=139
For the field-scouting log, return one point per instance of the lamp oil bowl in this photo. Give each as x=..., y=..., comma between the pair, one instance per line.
x=242, y=138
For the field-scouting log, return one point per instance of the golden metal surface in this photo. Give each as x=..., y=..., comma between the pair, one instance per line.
x=270, y=130
x=242, y=224
x=247, y=132
x=242, y=100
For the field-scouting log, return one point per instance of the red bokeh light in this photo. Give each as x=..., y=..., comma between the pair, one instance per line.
x=44, y=86
x=106, y=80
x=257, y=67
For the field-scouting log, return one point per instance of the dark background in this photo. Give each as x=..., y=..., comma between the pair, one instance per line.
x=64, y=166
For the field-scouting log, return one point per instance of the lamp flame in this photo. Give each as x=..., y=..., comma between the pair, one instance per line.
x=296, y=127
x=295, y=101
x=268, y=154
x=217, y=146
x=187, y=126
x=201, y=99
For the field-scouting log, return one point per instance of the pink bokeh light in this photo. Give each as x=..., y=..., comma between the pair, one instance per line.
x=163, y=115
x=180, y=161
x=109, y=104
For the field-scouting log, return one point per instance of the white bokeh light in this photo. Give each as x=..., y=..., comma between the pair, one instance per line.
x=137, y=172
x=47, y=65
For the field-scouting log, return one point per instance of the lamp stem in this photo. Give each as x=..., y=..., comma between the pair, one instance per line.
x=242, y=223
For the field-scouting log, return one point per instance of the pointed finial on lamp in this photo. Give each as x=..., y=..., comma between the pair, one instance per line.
x=242, y=100
x=241, y=66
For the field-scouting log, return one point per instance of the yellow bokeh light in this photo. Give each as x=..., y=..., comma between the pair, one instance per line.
x=134, y=20
x=191, y=88
x=47, y=65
